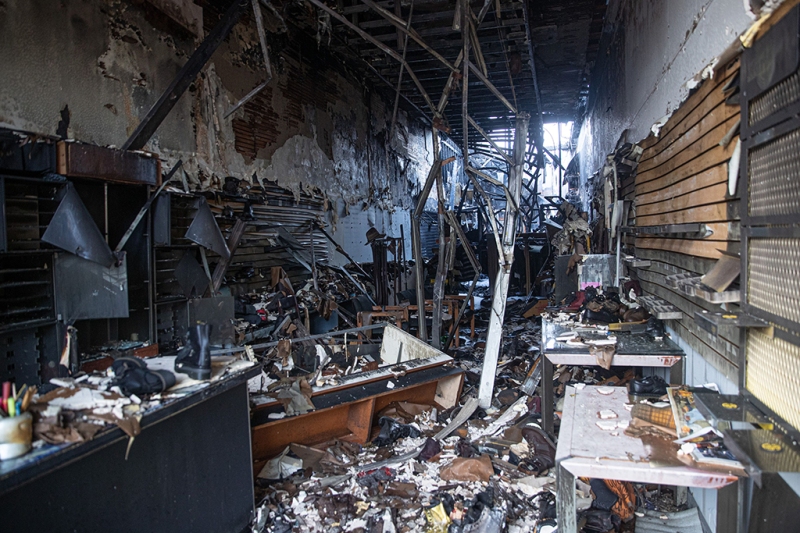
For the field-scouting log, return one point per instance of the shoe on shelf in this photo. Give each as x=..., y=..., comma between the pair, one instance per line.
x=648, y=386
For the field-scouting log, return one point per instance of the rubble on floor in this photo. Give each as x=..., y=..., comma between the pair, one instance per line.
x=425, y=470
x=483, y=477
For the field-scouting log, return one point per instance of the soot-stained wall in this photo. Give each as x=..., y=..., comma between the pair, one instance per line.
x=103, y=63
x=649, y=54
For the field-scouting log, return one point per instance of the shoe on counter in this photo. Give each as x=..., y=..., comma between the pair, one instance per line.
x=194, y=359
x=132, y=376
x=648, y=386
x=602, y=317
x=655, y=328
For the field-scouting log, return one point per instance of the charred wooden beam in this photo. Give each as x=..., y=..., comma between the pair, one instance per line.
x=389, y=51
x=538, y=132
x=494, y=144
x=494, y=335
x=406, y=28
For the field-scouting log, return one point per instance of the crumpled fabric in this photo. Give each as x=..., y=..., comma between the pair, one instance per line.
x=627, y=498
x=373, y=478
x=604, y=498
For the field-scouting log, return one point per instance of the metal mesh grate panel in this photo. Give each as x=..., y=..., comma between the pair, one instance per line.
x=772, y=375
x=774, y=99
x=774, y=177
x=773, y=278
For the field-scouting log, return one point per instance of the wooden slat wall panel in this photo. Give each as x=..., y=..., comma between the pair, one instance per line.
x=682, y=178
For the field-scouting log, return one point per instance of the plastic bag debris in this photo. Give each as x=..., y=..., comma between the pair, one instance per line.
x=392, y=430
x=438, y=519
x=296, y=399
x=281, y=466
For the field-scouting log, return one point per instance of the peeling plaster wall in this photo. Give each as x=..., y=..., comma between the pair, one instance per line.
x=648, y=53
x=315, y=126
x=102, y=59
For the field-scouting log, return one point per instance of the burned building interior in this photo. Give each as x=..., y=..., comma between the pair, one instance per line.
x=400, y=265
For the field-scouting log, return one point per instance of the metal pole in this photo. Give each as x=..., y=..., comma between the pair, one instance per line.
x=560, y=168
x=404, y=43
x=387, y=50
x=465, y=79
x=494, y=335
x=416, y=243
x=402, y=270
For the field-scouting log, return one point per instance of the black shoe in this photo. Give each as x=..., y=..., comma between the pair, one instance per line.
x=194, y=359
x=648, y=386
x=602, y=316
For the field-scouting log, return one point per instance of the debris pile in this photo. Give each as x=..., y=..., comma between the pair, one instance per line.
x=266, y=313
x=465, y=469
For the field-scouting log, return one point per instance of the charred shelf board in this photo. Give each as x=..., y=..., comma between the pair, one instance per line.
x=731, y=408
x=692, y=286
x=700, y=231
x=98, y=162
x=675, y=280
x=635, y=262
x=660, y=309
x=763, y=451
x=711, y=322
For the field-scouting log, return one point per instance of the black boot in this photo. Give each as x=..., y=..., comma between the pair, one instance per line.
x=194, y=359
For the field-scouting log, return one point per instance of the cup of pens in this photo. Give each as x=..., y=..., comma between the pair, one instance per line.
x=16, y=423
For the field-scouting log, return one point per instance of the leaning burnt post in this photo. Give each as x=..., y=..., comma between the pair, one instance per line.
x=416, y=240
x=441, y=266
x=494, y=335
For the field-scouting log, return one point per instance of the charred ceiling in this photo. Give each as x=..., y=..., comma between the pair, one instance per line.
x=370, y=38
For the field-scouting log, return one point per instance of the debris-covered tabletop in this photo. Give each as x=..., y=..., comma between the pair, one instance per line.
x=72, y=417
x=565, y=342
x=597, y=440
